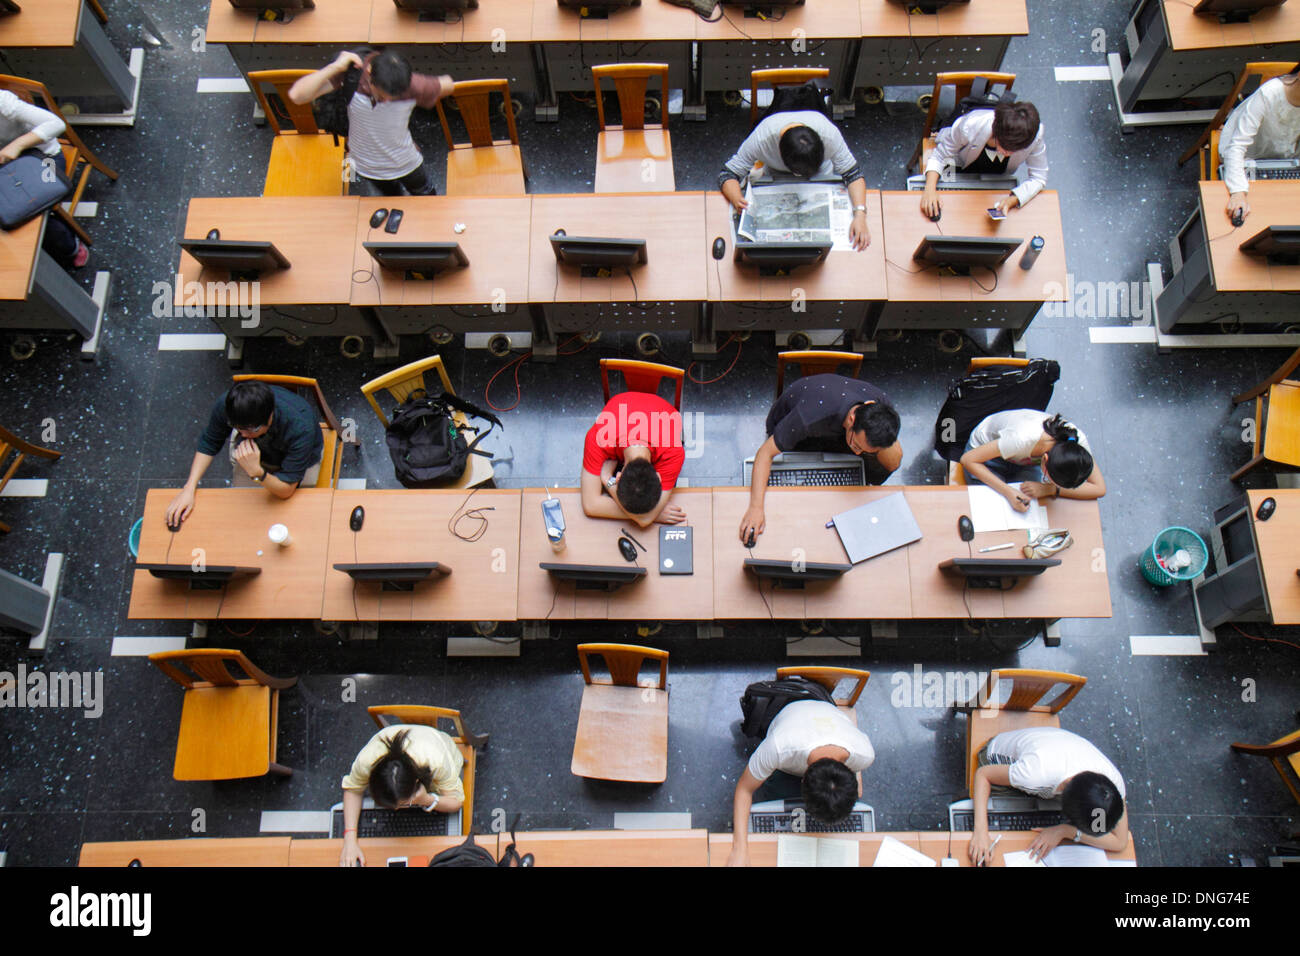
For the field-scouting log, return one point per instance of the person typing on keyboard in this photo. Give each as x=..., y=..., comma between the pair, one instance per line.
x=405, y=765
x=1047, y=762
x=826, y=413
x=1265, y=125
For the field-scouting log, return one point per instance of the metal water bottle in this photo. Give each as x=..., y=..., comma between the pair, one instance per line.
x=1031, y=252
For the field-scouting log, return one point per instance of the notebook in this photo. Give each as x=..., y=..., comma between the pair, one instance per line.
x=676, y=554
x=877, y=527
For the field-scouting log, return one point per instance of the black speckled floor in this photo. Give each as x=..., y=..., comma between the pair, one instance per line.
x=1166, y=435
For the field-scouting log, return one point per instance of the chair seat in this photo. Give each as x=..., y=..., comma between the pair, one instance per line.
x=619, y=155
x=305, y=164
x=485, y=171
x=226, y=733
x=1282, y=424
x=622, y=734
x=984, y=724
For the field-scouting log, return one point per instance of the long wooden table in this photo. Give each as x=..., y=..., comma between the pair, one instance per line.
x=935, y=845
x=217, y=851
x=1255, y=563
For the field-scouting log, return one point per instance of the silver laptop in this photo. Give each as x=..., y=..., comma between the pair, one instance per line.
x=1270, y=169
x=916, y=183
x=877, y=527
x=812, y=468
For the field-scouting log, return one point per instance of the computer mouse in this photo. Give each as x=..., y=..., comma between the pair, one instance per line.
x=749, y=542
x=719, y=247
x=559, y=232
x=1238, y=217
x=627, y=549
x=173, y=528
x=966, y=528
x=1266, y=509
x=938, y=214
x=214, y=234
x=358, y=518
x=377, y=218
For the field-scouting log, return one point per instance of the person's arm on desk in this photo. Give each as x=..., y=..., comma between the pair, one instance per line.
x=754, y=518
x=743, y=800
x=859, y=231
x=351, y=854
x=317, y=84
x=973, y=461
x=1049, y=838
x=981, y=848
x=183, y=504
x=1248, y=115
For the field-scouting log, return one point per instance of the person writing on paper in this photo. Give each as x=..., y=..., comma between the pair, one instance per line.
x=631, y=460
x=1023, y=445
x=1266, y=125
x=1050, y=763
x=997, y=141
x=804, y=143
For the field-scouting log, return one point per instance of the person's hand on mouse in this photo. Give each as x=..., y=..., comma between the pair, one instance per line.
x=754, y=521
x=180, y=507
x=249, y=457
x=859, y=233
x=672, y=514
x=1237, y=203
x=351, y=854
x=930, y=204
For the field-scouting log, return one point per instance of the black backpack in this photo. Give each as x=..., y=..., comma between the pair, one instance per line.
x=331, y=110
x=427, y=447
x=764, y=699
x=470, y=853
x=980, y=98
x=796, y=99
x=987, y=391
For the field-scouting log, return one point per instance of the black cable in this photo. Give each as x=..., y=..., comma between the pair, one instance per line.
x=636, y=304
x=986, y=289
x=355, y=560
x=453, y=523
x=760, y=591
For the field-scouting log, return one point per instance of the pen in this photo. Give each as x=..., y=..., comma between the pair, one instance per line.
x=998, y=547
x=993, y=846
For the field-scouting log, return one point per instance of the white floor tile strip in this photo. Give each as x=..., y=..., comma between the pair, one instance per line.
x=144, y=646
x=1166, y=645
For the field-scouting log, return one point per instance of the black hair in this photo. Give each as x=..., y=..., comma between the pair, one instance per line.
x=249, y=404
x=395, y=777
x=802, y=151
x=639, y=487
x=1092, y=803
x=1015, y=125
x=829, y=790
x=391, y=73
x=879, y=421
x=1068, y=464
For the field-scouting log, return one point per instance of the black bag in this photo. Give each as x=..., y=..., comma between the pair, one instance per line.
x=987, y=391
x=29, y=185
x=764, y=699
x=795, y=99
x=470, y=853
x=331, y=110
x=427, y=447
x=979, y=99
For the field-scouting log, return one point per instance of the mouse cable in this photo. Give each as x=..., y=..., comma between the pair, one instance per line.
x=460, y=514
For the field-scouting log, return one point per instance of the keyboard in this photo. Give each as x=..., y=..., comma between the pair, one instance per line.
x=857, y=822
x=1293, y=173
x=964, y=820
x=393, y=823
x=815, y=476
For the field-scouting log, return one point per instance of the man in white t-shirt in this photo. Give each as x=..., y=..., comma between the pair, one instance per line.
x=1047, y=762
x=817, y=742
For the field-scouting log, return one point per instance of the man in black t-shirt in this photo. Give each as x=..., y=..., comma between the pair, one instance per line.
x=826, y=413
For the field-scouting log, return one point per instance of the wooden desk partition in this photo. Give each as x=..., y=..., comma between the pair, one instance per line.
x=251, y=851
x=1272, y=203
x=333, y=21
x=1189, y=31
x=1279, y=553
x=615, y=847
x=888, y=18
x=656, y=21
x=412, y=525
x=823, y=19
x=320, y=852
x=389, y=25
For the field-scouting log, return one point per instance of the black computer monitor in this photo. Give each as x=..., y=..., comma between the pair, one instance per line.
x=419, y=260
x=245, y=261
x=1234, y=11
x=959, y=253
x=780, y=258
x=589, y=252
x=437, y=10
x=762, y=8
x=993, y=573
x=395, y=576
x=928, y=6
x=794, y=575
x=594, y=577
x=1279, y=244
x=597, y=9
x=211, y=578
x=277, y=5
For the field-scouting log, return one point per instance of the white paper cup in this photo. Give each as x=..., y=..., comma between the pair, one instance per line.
x=279, y=534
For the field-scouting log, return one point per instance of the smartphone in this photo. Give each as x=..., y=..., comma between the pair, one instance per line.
x=996, y=214
x=553, y=518
x=397, y=861
x=394, y=221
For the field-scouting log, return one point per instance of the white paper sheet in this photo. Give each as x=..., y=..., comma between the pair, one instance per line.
x=989, y=511
x=1020, y=858
x=797, y=212
x=1077, y=854
x=894, y=853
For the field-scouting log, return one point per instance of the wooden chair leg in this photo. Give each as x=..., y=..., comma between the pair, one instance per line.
x=4, y=528
x=73, y=224
x=1244, y=469
x=280, y=770
x=98, y=11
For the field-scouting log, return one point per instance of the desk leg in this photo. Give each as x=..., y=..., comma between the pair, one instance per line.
x=386, y=343
x=1052, y=632
x=67, y=300
x=546, y=109
x=864, y=339
x=695, y=108
x=845, y=74
x=234, y=352
x=704, y=340
x=544, y=347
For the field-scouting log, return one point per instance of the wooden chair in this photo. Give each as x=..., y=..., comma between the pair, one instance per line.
x=642, y=377
x=1277, y=428
x=332, y=456
x=402, y=382
x=228, y=724
x=12, y=451
x=1207, y=144
x=956, y=473
x=484, y=166
x=467, y=743
x=78, y=160
x=621, y=150
x=1281, y=753
x=1024, y=707
x=304, y=160
x=622, y=725
x=961, y=84
x=779, y=76
x=815, y=363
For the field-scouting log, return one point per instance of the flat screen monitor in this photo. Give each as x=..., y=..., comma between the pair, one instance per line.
x=928, y=6
x=419, y=260
x=780, y=258
x=276, y=5
x=244, y=260
x=212, y=578
x=589, y=252
x=789, y=574
x=437, y=10
x=594, y=577
x=597, y=9
x=959, y=253
x=1279, y=244
x=1234, y=11
x=395, y=576
x=993, y=573
x=762, y=8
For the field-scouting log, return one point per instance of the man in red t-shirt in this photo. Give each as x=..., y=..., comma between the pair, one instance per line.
x=631, y=460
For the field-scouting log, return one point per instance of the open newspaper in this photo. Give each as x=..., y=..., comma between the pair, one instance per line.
x=797, y=212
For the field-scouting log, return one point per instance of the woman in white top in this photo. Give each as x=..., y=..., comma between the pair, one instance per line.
x=998, y=141
x=1266, y=125
x=1024, y=445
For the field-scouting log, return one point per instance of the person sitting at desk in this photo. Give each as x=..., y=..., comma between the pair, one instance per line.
x=23, y=127
x=1024, y=445
x=826, y=413
x=997, y=141
x=1265, y=125
x=797, y=143
x=1047, y=762
x=275, y=441
x=631, y=459
x=379, y=117
x=404, y=765
x=811, y=740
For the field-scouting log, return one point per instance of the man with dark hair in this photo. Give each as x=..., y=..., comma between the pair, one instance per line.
x=275, y=441
x=1047, y=762
x=631, y=459
x=380, y=146
x=803, y=143
x=996, y=141
x=808, y=739
x=826, y=413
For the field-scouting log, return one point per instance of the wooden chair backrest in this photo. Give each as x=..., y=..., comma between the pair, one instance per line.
x=995, y=361
x=1028, y=688
x=961, y=84
x=814, y=362
x=624, y=662
x=473, y=100
x=630, y=82
x=780, y=76
x=12, y=445
x=642, y=377
x=1253, y=75
x=1281, y=375
x=401, y=382
x=830, y=678
x=282, y=113
x=210, y=667
x=386, y=715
